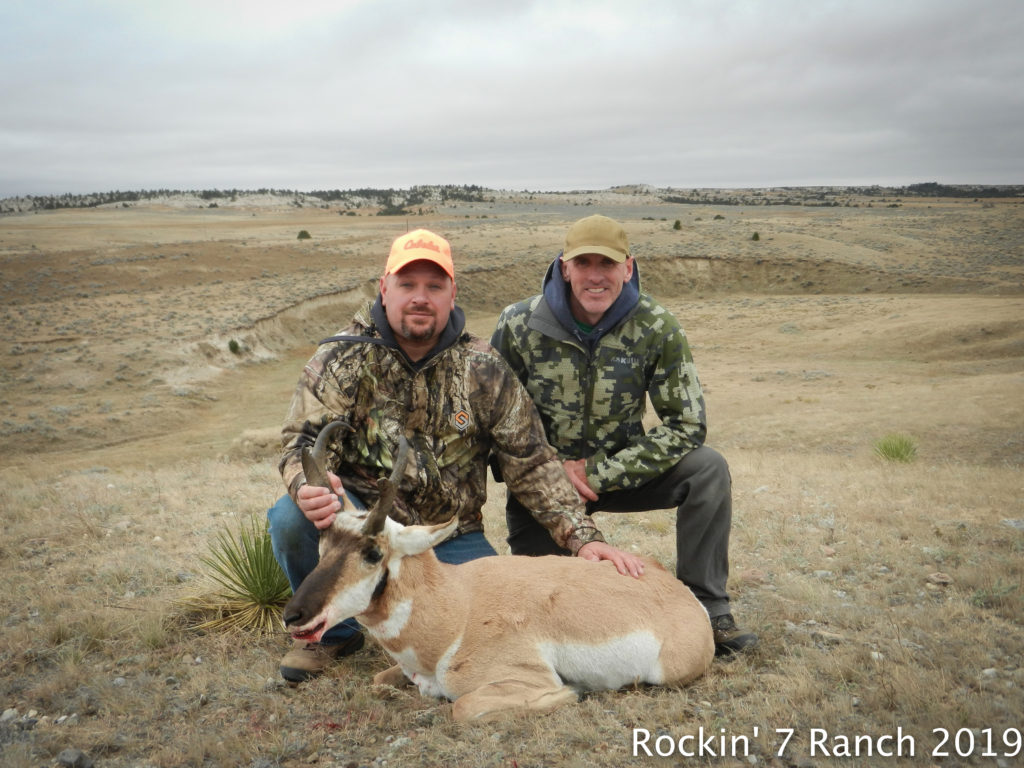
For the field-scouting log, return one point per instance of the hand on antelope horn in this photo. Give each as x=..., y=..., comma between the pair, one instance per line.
x=321, y=505
x=322, y=497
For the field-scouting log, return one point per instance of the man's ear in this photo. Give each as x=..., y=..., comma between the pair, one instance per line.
x=629, y=269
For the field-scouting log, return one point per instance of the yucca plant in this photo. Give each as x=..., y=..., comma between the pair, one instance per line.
x=896, y=447
x=253, y=586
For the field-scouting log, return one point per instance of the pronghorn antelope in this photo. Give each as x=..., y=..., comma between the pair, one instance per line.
x=497, y=634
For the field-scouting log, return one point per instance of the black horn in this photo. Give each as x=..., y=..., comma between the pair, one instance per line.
x=314, y=460
x=388, y=489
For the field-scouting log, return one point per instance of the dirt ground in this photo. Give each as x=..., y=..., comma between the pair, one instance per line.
x=137, y=335
x=149, y=355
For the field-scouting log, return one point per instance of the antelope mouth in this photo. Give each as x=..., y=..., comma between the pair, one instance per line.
x=311, y=635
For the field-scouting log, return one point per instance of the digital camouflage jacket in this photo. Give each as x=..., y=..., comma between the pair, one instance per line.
x=591, y=390
x=458, y=405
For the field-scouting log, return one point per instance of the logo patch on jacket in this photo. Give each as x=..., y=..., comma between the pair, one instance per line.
x=461, y=420
x=628, y=361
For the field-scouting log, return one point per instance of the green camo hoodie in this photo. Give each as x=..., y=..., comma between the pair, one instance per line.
x=592, y=391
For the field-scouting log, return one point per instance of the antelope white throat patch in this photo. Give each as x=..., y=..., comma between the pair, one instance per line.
x=393, y=625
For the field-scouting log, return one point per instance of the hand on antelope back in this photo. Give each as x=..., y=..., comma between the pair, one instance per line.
x=321, y=505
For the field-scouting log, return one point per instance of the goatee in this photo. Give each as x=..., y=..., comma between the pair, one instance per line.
x=424, y=335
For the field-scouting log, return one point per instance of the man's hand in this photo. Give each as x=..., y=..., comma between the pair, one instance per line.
x=576, y=469
x=625, y=563
x=320, y=505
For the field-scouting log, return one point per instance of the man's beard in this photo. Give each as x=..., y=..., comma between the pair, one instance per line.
x=423, y=335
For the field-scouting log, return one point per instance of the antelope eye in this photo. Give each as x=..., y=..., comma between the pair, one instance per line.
x=372, y=554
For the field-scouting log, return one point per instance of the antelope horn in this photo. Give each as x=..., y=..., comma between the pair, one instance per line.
x=388, y=489
x=314, y=460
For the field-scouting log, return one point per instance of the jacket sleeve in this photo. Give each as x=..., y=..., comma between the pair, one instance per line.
x=503, y=340
x=529, y=465
x=678, y=400
x=316, y=401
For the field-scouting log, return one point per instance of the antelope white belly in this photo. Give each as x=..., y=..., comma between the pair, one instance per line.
x=608, y=665
x=431, y=682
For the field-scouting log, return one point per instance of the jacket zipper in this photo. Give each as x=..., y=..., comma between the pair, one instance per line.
x=587, y=384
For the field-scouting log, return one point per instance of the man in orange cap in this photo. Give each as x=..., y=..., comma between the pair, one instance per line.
x=407, y=366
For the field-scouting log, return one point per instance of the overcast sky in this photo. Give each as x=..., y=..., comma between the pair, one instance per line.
x=99, y=95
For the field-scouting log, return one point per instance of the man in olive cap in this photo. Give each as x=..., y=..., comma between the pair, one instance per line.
x=590, y=350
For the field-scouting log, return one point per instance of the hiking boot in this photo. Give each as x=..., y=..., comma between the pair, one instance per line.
x=729, y=638
x=306, y=660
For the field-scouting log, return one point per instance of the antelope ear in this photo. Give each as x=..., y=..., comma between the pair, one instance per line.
x=410, y=540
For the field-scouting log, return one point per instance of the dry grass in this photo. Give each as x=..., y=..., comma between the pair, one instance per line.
x=887, y=595
x=858, y=635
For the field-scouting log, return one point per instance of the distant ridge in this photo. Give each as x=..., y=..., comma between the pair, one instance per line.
x=405, y=201
x=394, y=201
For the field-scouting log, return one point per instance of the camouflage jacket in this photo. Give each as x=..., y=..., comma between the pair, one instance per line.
x=592, y=392
x=458, y=405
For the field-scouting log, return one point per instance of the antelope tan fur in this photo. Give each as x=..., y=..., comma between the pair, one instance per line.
x=498, y=634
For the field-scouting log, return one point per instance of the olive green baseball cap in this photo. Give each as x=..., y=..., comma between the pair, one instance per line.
x=596, y=234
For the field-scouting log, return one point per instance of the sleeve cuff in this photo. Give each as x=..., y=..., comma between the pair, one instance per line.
x=580, y=537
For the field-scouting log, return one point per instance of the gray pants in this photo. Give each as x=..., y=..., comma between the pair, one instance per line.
x=699, y=486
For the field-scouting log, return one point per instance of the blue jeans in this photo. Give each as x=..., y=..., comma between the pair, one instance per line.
x=296, y=545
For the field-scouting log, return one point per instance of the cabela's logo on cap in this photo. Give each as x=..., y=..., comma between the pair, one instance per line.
x=421, y=243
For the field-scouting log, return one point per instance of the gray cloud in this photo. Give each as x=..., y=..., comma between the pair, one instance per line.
x=550, y=95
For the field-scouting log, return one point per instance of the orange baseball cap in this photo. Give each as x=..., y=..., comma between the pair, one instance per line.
x=420, y=244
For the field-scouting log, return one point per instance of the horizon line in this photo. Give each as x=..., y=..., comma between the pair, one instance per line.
x=572, y=190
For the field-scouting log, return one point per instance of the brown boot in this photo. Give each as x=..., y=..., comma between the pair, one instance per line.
x=729, y=638
x=306, y=660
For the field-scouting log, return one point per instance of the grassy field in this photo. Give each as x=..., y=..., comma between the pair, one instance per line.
x=889, y=595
